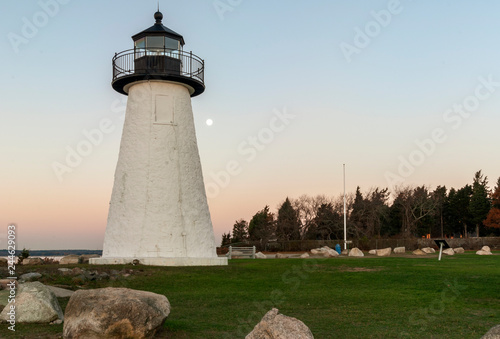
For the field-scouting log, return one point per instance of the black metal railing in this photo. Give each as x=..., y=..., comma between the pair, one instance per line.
x=158, y=62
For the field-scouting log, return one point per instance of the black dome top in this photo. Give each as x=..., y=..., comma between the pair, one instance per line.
x=159, y=30
x=158, y=17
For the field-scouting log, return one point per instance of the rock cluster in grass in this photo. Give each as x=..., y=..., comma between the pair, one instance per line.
x=459, y=250
x=419, y=252
x=79, y=276
x=82, y=275
x=449, y=251
x=30, y=276
x=356, y=252
x=399, y=250
x=485, y=250
x=428, y=250
x=384, y=252
x=325, y=251
x=278, y=326
x=260, y=255
x=32, y=261
x=35, y=303
x=72, y=259
x=115, y=313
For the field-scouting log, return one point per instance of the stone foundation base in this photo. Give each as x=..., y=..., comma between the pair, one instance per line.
x=217, y=261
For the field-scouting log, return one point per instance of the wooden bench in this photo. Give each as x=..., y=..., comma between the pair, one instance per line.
x=241, y=252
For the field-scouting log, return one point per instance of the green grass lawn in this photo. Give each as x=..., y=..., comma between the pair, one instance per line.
x=389, y=297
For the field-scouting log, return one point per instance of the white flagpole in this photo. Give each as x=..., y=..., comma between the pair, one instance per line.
x=345, y=217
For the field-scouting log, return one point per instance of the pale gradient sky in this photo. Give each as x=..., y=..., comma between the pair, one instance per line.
x=261, y=56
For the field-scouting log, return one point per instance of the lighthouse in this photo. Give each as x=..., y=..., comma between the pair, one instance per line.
x=158, y=214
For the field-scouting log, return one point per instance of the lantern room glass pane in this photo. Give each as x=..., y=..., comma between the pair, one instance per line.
x=141, y=43
x=155, y=42
x=171, y=44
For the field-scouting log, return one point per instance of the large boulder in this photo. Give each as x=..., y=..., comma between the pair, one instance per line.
x=428, y=250
x=329, y=252
x=449, y=251
x=372, y=252
x=278, y=326
x=304, y=255
x=356, y=252
x=493, y=333
x=485, y=250
x=85, y=258
x=32, y=261
x=260, y=255
x=385, y=252
x=459, y=250
x=400, y=250
x=30, y=276
x=114, y=313
x=72, y=259
x=325, y=251
x=61, y=292
x=4, y=298
x=35, y=303
x=419, y=252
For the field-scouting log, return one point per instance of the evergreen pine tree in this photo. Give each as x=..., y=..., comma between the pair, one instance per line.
x=480, y=203
x=287, y=222
x=240, y=231
x=493, y=217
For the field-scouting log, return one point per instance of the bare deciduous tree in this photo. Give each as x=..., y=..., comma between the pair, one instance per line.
x=416, y=204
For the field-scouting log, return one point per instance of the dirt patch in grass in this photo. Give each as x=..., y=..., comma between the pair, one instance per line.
x=359, y=269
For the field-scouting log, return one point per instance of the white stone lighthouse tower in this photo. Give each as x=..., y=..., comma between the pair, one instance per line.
x=158, y=212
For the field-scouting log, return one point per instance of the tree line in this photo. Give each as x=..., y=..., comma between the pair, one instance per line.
x=473, y=210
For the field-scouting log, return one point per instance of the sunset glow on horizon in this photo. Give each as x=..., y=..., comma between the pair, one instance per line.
x=401, y=92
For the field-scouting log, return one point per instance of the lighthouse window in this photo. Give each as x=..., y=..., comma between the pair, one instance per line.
x=171, y=44
x=164, y=110
x=155, y=42
x=141, y=43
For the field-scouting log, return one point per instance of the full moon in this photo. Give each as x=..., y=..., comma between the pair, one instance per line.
x=210, y=122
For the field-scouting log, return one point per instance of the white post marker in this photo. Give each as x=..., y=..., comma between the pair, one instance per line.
x=345, y=217
x=441, y=243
